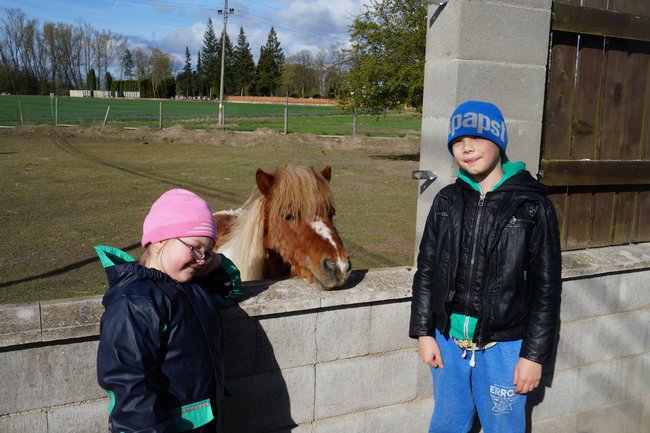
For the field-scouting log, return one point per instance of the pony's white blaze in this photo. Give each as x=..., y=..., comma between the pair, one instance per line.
x=323, y=231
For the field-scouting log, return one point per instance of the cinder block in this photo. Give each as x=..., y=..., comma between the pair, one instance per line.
x=535, y=4
x=556, y=395
x=443, y=27
x=240, y=339
x=19, y=324
x=425, y=380
x=384, y=284
x=72, y=318
x=302, y=428
x=503, y=33
x=24, y=422
x=285, y=342
x=609, y=382
x=562, y=424
x=353, y=423
x=342, y=333
x=408, y=417
x=645, y=416
x=358, y=384
x=589, y=297
x=270, y=401
x=602, y=338
x=389, y=327
x=268, y=297
x=524, y=138
x=79, y=418
x=634, y=293
x=622, y=417
x=441, y=77
x=48, y=376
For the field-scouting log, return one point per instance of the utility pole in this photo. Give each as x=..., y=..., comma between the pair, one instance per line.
x=225, y=12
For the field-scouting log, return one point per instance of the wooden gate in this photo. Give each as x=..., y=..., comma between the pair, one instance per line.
x=596, y=145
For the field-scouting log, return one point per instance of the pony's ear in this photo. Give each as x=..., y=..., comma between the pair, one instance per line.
x=264, y=181
x=327, y=173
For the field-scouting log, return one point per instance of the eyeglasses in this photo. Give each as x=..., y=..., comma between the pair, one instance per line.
x=197, y=254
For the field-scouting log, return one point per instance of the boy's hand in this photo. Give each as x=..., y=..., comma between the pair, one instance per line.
x=527, y=376
x=429, y=351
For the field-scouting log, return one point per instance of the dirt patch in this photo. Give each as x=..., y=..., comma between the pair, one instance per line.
x=217, y=137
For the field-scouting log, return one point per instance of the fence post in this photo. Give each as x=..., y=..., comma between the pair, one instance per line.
x=160, y=117
x=20, y=109
x=56, y=111
x=106, y=117
x=354, y=122
x=286, y=113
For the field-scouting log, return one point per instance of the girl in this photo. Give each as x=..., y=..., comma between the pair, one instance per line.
x=160, y=355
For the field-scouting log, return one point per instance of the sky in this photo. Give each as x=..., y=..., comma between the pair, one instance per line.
x=171, y=25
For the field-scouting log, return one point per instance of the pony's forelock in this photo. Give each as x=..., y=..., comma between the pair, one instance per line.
x=300, y=191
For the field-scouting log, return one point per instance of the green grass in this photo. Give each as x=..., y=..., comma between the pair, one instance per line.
x=61, y=195
x=200, y=114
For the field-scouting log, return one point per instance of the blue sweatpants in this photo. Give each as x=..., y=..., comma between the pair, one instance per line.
x=460, y=390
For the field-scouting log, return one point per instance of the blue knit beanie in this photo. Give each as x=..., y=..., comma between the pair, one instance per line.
x=479, y=119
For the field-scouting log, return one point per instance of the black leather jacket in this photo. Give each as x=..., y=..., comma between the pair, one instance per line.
x=511, y=278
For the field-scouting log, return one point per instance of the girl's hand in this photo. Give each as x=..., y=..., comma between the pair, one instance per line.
x=527, y=376
x=209, y=267
x=429, y=351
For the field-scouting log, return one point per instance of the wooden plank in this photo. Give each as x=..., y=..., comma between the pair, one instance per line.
x=613, y=110
x=608, y=172
x=559, y=102
x=643, y=217
x=624, y=216
x=601, y=231
x=558, y=197
x=639, y=7
x=588, y=95
x=578, y=219
x=636, y=106
x=591, y=21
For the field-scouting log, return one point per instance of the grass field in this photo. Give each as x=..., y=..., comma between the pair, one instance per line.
x=63, y=193
x=200, y=114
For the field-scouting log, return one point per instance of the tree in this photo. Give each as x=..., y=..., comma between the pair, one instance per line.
x=91, y=80
x=243, y=65
x=200, y=76
x=386, y=59
x=128, y=64
x=269, y=66
x=185, y=78
x=210, y=53
x=108, y=80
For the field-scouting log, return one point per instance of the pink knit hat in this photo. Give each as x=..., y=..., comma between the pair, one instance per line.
x=178, y=213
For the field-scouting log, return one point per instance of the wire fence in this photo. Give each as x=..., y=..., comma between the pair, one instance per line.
x=16, y=111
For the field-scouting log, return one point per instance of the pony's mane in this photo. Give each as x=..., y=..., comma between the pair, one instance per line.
x=300, y=191
x=244, y=245
x=297, y=190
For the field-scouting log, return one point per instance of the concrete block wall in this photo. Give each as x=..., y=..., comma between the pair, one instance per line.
x=493, y=50
x=306, y=361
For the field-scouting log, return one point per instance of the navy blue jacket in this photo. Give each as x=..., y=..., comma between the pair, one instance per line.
x=160, y=355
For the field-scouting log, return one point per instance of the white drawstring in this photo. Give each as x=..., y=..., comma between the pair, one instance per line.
x=472, y=362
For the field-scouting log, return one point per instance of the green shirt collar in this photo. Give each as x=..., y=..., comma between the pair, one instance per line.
x=509, y=170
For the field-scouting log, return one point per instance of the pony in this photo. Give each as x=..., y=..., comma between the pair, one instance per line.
x=286, y=229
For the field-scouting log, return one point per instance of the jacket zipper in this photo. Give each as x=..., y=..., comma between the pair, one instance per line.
x=472, y=261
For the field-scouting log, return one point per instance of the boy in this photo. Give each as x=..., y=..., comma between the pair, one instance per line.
x=488, y=281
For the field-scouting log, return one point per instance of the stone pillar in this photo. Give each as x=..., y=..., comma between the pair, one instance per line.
x=492, y=50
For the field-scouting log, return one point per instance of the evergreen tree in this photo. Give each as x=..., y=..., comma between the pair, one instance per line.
x=210, y=54
x=186, y=81
x=128, y=64
x=108, y=80
x=269, y=66
x=243, y=65
x=200, y=76
x=91, y=80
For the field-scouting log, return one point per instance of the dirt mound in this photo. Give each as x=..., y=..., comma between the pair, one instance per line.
x=218, y=137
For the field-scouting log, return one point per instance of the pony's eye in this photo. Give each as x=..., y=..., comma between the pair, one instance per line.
x=290, y=217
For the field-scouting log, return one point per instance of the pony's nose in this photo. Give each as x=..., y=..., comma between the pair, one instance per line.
x=331, y=266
